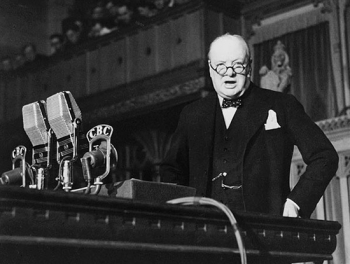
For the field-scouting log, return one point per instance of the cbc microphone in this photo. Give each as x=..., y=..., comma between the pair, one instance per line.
x=99, y=155
x=18, y=176
x=65, y=119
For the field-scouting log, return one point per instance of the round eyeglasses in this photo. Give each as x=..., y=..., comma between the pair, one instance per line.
x=221, y=69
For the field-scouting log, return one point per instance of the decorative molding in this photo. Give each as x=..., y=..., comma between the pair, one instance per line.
x=347, y=160
x=268, y=8
x=157, y=97
x=333, y=124
x=344, y=165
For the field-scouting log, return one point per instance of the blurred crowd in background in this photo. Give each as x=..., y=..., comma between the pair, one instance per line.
x=89, y=20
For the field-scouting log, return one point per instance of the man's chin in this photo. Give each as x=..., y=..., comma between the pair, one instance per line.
x=233, y=92
x=231, y=95
x=232, y=89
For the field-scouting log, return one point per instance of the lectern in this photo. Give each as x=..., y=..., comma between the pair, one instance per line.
x=42, y=226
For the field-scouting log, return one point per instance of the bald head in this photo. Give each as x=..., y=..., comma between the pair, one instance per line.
x=234, y=41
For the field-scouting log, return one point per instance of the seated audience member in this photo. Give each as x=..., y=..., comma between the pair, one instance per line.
x=99, y=24
x=162, y=5
x=125, y=14
x=73, y=36
x=56, y=44
x=112, y=7
x=30, y=55
x=98, y=11
x=98, y=28
x=74, y=31
x=146, y=10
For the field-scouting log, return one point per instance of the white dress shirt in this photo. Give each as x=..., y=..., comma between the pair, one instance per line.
x=228, y=112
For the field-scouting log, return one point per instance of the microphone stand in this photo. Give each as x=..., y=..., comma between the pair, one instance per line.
x=23, y=164
x=42, y=168
x=98, y=156
x=65, y=174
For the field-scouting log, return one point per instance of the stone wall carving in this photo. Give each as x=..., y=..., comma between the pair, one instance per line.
x=279, y=77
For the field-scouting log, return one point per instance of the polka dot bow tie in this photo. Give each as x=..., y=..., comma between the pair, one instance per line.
x=231, y=103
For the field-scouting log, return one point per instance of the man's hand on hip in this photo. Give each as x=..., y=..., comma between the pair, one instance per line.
x=291, y=209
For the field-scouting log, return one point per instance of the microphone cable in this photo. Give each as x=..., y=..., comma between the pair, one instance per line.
x=208, y=201
x=30, y=171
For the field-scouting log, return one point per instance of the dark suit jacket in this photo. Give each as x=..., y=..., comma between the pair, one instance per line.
x=267, y=154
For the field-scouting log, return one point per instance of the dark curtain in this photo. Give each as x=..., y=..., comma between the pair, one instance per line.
x=310, y=60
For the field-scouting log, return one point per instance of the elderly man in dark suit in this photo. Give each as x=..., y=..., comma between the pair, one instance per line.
x=236, y=146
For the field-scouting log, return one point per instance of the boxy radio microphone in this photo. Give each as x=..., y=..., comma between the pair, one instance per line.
x=37, y=128
x=65, y=119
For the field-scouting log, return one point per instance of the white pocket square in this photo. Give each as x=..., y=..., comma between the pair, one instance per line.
x=271, y=121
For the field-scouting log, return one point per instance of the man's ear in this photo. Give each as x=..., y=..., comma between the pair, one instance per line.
x=210, y=69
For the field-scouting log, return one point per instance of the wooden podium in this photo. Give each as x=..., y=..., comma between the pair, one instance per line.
x=57, y=227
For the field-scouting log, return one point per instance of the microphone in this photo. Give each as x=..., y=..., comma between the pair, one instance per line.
x=99, y=155
x=65, y=119
x=37, y=128
x=18, y=175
